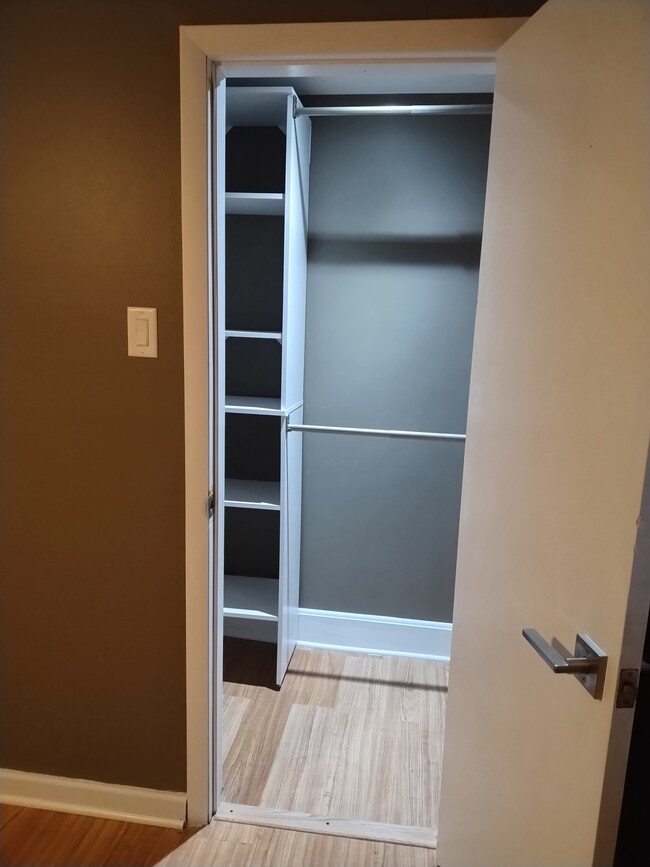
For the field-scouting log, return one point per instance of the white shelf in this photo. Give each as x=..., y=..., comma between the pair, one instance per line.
x=260, y=204
x=258, y=405
x=256, y=335
x=248, y=494
x=254, y=405
x=250, y=598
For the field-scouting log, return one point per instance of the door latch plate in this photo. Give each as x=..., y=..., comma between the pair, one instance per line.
x=628, y=686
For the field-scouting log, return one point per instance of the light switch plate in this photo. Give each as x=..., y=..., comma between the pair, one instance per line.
x=142, y=328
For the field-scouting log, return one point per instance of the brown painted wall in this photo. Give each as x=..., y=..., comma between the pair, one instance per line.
x=91, y=441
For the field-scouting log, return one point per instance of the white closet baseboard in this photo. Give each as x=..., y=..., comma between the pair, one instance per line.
x=368, y=633
x=90, y=798
x=364, y=633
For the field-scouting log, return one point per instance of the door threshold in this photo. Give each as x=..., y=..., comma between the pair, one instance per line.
x=358, y=829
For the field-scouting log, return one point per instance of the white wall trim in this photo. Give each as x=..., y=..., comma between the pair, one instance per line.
x=352, y=42
x=199, y=588
x=89, y=798
x=369, y=633
x=338, y=43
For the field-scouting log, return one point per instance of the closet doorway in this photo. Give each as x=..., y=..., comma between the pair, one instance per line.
x=347, y=269
x=541, y=543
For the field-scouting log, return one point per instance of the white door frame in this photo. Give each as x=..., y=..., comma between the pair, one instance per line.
x=463, y=45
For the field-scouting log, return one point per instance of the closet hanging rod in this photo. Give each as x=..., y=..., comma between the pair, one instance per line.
x=351, y=110
x=374, y=432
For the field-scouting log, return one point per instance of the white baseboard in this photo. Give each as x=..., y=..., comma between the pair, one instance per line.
x=368, y=633
x=88, y=798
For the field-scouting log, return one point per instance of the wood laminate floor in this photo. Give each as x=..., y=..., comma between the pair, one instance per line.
x=43, y=838
x=351, y=745
x=224, y=844
x=351, y=736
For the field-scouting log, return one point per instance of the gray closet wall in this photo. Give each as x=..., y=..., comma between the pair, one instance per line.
x=395, y=220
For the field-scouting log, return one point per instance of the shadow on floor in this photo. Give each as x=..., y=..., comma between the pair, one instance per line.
x=249, y=662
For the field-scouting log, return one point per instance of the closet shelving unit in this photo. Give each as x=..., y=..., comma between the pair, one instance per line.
x=266, y=203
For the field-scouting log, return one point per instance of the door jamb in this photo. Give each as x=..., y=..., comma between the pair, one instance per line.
x=456, y=42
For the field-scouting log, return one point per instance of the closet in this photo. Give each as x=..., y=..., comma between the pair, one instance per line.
x=390, y=251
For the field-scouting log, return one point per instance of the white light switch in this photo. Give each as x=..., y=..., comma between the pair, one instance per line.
x=142, y=332
x=142, y=328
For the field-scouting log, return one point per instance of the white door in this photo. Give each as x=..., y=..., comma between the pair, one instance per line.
x=557, y=442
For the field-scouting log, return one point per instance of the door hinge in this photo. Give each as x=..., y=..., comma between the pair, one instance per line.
x=209, y=506
x=628, y=687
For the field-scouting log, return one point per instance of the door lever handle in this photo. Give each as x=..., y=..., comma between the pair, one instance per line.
x=588, y=663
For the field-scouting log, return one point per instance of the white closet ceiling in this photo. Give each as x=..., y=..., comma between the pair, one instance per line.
x=464, y=76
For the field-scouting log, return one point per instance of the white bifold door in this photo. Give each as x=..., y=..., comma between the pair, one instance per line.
x=552, y=531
